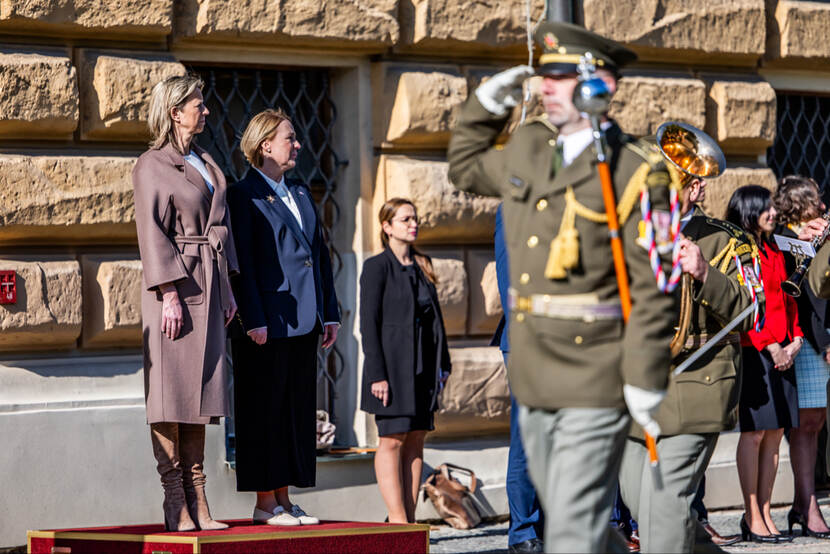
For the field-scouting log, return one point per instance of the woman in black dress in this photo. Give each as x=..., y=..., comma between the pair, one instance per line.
x=769, y=397
x=406, y=361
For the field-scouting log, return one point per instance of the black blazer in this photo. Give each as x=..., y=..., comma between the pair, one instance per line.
x=285, y=278
x=813, y=316
x=387, y=327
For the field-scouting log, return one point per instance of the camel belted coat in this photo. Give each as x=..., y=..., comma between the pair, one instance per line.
x=184, y=237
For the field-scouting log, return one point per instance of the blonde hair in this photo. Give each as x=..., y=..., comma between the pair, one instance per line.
x=387, y=212
x=170, y=93
x=261, y=127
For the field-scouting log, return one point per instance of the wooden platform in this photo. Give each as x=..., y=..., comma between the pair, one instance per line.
x=242, y=537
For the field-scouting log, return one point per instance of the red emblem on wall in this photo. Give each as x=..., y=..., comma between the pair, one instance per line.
x=8, y=287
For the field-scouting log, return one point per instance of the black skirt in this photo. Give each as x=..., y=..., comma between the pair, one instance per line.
x=769, y=398
x=275, y=412
x=423, y=420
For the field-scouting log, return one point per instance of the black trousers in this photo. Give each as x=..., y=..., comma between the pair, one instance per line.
x=275, y=412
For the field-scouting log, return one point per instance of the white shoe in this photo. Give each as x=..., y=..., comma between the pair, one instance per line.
x=278, y=517
x=303, y=517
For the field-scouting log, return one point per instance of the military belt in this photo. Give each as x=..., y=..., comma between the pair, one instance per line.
x=693, y=342
x=583, y=307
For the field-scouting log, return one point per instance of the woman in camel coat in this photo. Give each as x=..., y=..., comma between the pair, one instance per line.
x=187, y=254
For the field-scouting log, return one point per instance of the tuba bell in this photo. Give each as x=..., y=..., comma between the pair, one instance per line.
x=695, y=155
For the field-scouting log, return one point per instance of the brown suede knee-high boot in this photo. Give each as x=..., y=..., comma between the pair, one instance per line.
x=192, y=450
x=165, y=438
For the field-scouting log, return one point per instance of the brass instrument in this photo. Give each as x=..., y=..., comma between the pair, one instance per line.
x=792, y=285
x=696, y=155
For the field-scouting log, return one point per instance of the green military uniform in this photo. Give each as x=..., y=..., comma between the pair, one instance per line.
x=700, y=403
x=818, y=276
x=570, y=352
x=818, y=279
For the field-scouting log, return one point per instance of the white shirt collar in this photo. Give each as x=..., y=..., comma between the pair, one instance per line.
x=575, y=143
x=279, y=186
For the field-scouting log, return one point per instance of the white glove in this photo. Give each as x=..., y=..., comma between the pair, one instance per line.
x=642, y=404
x=503, y=90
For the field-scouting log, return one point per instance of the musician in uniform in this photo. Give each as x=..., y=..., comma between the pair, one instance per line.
x=574, y=366
x=818, y=274
x=701, y=401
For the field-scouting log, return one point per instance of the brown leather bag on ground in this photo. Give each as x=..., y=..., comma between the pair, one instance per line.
x=452, y=500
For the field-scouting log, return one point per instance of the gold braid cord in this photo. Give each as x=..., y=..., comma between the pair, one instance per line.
x=724, y=257
x=564, y=248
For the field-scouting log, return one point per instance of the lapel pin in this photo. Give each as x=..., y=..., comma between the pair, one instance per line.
x=271, y=198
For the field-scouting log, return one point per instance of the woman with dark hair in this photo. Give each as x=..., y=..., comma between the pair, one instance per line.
x=406, y=361
x=799, y=206
x=769, y=398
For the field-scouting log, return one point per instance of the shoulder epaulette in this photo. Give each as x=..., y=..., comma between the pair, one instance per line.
x=731, y=228
x=647, y=150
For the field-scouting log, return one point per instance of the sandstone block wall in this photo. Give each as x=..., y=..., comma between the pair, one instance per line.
x=741, y=115
x=39, y=94
x=657, y=29
x=62, y=199
x=797, y=34
x=47, y=314
x=368, y=24
x=421, y=101
x=642, y=103
x=115, y=92
x=112, y=301
x=477, y=396
x=88, y=17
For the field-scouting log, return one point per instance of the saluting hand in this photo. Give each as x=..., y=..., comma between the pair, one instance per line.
x=171, y=312
x=692, y=260
x=380, y=390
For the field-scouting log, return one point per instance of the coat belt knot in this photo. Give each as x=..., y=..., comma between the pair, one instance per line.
x=217, y=236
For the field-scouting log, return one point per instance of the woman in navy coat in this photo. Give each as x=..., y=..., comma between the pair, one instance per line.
x=406, y=359
x=286, y=297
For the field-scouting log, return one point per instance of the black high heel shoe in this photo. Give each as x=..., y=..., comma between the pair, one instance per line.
x=748, y=535
x=797, y=518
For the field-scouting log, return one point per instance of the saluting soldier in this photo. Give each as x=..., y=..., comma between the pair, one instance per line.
x=574, y=366
x=702, y=401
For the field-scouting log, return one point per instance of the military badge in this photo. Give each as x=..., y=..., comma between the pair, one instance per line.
x=753, y=280
x=550, y=41
x=661, y=222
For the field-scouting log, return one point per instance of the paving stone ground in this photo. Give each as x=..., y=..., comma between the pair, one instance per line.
x=492, y=537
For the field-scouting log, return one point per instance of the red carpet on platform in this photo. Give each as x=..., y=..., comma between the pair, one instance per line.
x=329, y=536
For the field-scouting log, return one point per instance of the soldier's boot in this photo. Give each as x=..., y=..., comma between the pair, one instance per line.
x=192, y=450
x=165, y=437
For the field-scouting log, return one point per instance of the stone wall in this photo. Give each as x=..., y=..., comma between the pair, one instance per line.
x=76, y=76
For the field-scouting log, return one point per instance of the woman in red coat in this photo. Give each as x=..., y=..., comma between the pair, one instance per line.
x=769, y=397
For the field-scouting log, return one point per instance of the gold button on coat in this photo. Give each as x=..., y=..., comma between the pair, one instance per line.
x=532, y=241
x=524, y=278
x=541, y=204
x=578, y=339
x=520, y=317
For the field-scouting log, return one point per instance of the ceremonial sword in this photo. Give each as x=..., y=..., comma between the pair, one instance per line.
x=713, y=341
